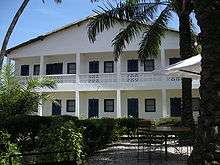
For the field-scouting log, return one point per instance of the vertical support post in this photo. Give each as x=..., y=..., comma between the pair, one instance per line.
x=118, y=103
x=77, y=103
x=40, y=108
x=119, y=69
x=163, y=58
x=77, y=67
x=41, y=65
x=164, y=103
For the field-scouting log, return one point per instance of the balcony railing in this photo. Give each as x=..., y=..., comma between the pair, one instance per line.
x=130, y=77
x=61, y=78
x=139, y=77
x=98, y=78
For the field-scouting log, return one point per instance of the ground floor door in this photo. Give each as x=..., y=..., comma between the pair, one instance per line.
x=175, y=107
x=93, y=109
x=133, y=108
x=56, y=108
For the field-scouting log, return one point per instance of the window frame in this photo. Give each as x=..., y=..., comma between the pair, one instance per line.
x=67, y=107
x=68, y=69
x=105, y=66
x=105, y=105
x=28, y=70
x=34, y=71
x=154, y=105
x=145, y=66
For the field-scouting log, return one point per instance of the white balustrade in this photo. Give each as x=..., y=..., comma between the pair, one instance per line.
x=139, y=77
x=98, y=77
x=62, y=78
x=131, y=77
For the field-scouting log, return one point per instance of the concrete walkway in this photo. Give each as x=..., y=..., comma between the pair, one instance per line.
x=127, y=154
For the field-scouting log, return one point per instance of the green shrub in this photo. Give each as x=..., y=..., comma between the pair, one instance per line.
x=170, y=121
x=64, y=137
x=7, y=149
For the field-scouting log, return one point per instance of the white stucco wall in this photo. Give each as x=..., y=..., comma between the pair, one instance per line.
x=63, y=96
x=75, y=39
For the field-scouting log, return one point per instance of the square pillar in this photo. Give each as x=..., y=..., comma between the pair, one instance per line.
x=163, y=58
x=40, y=108
x=41, y=65
x=77, y=103
x=77, y=67
x=164, y=103
x=118, y=103
x=118, y=69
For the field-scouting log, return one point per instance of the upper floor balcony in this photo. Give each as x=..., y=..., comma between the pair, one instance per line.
x=99, y=71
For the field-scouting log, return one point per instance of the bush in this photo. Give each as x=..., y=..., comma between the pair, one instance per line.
x=7, y=149
x=62, y=137
x=170, y=121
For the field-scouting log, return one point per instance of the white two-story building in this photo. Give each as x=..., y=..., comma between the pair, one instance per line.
x=92, y=84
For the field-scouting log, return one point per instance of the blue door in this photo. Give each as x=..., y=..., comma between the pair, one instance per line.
x=175, y=107
x=93, y=108
x=56, y=108
x=133, y=108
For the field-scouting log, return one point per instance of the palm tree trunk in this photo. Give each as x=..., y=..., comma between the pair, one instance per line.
x=186, y=52
x=10, y=30
x=207, y=146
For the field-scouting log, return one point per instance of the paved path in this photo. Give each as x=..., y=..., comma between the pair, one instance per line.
x=126, y=154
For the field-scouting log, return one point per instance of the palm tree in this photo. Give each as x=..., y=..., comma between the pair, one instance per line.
x=11, y=28
x=19, y=98
x=135, y=16
x=206, y=150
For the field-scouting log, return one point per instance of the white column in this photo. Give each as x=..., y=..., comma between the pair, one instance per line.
x=77, y=67
x=77, y=103
x=164, y=103
x=119, y=69
x=41, y=65
x=118, y=103
x=40, y=108
x=163, y=58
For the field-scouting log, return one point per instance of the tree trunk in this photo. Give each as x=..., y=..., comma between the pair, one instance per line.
x=186, y=52
x=10, y=30
x=207, y=148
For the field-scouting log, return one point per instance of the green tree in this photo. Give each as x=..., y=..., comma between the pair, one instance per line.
x=19, y=98
x=135, y=16
x=11, y=28
x=206, y=150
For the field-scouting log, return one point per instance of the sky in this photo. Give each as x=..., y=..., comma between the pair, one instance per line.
x=39, y=18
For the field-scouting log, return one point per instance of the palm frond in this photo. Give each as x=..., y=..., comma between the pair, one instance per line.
x=126, y=36
x=42, y=82
x=150, y=44
x=121, y=14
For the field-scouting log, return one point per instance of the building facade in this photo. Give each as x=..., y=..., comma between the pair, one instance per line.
x=92, y=84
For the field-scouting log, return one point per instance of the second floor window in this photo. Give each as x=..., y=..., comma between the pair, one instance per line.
x=108, y=66
x=70, y=105
x=24, y=70
x=173, y=60
x=150, y=105
x=36, y=70
x=149, y=65
x=94, y=67
x=71, y=68
x=132, y=66
x=56, y=68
